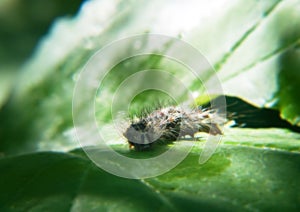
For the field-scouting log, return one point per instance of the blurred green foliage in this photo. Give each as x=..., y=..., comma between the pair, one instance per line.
x=254, y=47
x=22, y=23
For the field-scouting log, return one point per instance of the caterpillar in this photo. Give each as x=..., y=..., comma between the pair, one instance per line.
x=168, y=124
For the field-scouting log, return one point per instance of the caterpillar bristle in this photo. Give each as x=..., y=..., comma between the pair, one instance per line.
x=168, y=124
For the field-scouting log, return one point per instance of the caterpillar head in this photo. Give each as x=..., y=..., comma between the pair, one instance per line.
x=142, y=134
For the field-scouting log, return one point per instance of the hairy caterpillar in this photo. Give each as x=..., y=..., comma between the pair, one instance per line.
x=168, y=124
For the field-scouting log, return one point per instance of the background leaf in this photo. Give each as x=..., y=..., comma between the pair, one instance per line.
x=249, y=44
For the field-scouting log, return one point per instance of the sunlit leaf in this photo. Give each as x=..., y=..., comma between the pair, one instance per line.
x=252, y=45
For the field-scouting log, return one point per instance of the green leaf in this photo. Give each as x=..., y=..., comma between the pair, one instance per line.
x=288, y=93
x=6, y=79
x=252, y=45
x=265, y=61
x=241, y=176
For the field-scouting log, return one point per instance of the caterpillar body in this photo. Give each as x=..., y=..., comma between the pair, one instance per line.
x=169, y=124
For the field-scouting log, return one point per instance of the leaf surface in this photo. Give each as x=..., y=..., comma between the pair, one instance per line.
x=241, y=175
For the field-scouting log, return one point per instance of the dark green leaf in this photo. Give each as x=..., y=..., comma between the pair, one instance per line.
x=257, y=172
